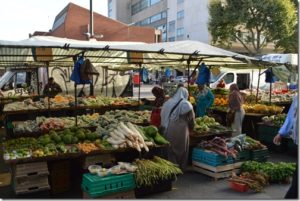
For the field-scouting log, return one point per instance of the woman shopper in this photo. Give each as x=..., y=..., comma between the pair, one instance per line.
x=204, y=100
x=158, y=102
x=177, y=117
x=236, y=113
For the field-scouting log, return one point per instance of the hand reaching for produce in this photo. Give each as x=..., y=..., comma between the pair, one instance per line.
x=277, y=139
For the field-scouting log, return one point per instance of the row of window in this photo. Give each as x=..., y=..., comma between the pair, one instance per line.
x=152, y=19
x=109, y=8
x=141, y=5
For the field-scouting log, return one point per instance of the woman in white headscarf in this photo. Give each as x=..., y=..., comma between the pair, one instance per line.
x=177, y=117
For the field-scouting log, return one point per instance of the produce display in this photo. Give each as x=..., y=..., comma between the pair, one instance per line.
x=121, y=168
x=231, y=146
x=276, y=172
x=43, y=124
x=222, y=101
x=75, y=139
x=105, y=101
x=219, y=146
x=277, y=98
x=151, y=172
x=67, y=101
x=255, y=180
x=207, y=124
x=262, y=109
x=53, y=143
x=136, y=117
x=274, y=120
x=220, y=91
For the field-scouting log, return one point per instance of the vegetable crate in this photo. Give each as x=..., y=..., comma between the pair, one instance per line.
x=238, y=186
x=218, y=172
x=210, y=158
x=30, y=169
x=96, y=186
x=260, y=155
x=31, y=184
x=243, y=155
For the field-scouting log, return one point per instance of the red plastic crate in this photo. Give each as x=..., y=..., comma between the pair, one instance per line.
x=239, y=186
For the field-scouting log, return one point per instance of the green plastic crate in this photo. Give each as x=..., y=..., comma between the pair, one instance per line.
x=259, y=155
x=97, y=186
x=243, y=155
x=267, y=133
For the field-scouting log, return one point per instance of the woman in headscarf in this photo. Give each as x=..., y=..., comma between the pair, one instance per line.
x=204, y=100
x=235, y=102
x=177, y=117
x=158, y=102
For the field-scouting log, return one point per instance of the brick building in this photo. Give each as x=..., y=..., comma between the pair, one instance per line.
x=73, y=22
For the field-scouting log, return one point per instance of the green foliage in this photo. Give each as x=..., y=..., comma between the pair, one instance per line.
x=253, y=23
x=277, y=172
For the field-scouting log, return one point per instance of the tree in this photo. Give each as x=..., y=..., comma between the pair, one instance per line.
x=252, y=23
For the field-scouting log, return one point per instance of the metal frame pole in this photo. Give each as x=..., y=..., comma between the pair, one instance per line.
x=188, y=63
x=256, y=98
x=139, y=93
x=270, y=98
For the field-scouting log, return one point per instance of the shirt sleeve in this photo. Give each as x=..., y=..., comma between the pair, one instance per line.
x=286, y=128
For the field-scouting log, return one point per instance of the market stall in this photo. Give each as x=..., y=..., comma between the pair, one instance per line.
x=51, y=141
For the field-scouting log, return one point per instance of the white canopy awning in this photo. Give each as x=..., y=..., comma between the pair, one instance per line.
x=37, y=50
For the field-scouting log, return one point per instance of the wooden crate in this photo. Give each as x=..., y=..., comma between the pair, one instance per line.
x=120, y=195
x=30, y=169
x=31, y=184
x=5, y=179
x=217, y=172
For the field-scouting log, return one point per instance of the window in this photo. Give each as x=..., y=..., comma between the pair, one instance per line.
x=164, y=37
x=228, y=78
x=109, y=8
x=172, y=26
x=145, y=22
x=135, y=8
x=59, y=21
x=164, y=15
x=180, y=31
x=180, y=15
x=155, y=18
x=180, y=1
x=171, y=39
x=144, y=4
x=152, y=2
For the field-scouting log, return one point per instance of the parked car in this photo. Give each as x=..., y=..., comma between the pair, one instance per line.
x=181, y=79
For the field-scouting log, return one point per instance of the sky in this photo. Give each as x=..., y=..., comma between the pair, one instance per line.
x=19, y=18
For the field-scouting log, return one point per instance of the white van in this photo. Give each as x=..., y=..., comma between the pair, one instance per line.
x=243, y=78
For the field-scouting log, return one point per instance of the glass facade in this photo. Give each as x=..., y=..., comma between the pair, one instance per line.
x=172, y=26
x=180, y=31
x=109, y=8
x=141, y=5
x=152, y=19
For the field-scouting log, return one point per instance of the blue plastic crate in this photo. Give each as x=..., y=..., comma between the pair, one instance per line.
x=259, y=155
x=97, y=186
x=210, y=158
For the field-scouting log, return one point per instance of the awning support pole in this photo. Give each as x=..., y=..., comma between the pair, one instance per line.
x=256, y=99
x=270, y=98
x=139, y=94
x=188, y=63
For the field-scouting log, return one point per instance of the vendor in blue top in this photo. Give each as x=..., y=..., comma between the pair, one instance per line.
x=204, y=100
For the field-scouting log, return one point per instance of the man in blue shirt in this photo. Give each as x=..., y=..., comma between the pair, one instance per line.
x=290, y=128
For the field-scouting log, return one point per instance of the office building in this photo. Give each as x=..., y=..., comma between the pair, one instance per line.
x=177, y=19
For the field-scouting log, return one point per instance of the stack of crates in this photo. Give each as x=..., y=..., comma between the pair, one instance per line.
x=31, y=177
x=210, y=158
x=94, y=186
